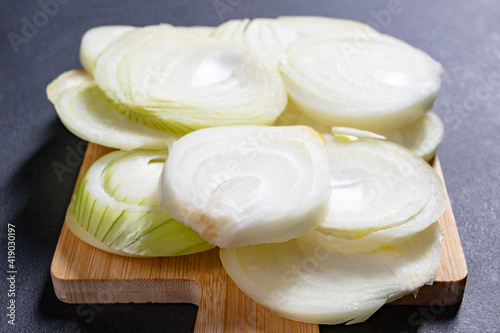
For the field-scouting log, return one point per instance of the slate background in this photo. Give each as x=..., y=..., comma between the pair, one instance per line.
x=463, y=36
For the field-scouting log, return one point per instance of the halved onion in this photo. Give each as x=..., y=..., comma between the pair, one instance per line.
x=241, y=185
x=304, y=281
x=115, y=208
x=87, y=113
x=181, y=82
x=375, y=83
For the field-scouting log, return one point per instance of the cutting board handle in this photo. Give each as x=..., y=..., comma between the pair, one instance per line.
x=225, y=308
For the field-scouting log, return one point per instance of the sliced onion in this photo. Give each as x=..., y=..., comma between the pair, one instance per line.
x=87, y=113
x=270, y=37
x=241, y=185
x=347, y=242
x=304, y=281
x=374, y=83
x=181, y=82
x=354, y=133
x=232, y=31
x=97, y=39
x=422, y=136
x=375, y=184
x=115, y=208
x=292, y=116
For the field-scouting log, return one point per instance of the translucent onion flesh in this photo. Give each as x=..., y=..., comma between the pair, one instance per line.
x=375, y=184
x=305, y=281
x=373, y=83
x=87, y=113
x=97, y=39
x=269, y=38
x=292, y=116
x=241, y=185
x=331, y=237
x=422, y=136
x=181, y=82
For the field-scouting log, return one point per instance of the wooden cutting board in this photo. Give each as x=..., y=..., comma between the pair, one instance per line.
x=84, y=274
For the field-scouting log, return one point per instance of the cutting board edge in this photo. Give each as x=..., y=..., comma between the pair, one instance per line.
x=110, y=291
x=451, y=292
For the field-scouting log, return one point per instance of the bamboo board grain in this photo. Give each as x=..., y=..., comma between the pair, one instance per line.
x=84, y=274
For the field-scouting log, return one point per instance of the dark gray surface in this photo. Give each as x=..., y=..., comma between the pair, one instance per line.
x=463, y=36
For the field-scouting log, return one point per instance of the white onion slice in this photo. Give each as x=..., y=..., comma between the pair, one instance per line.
x=181, y=82
x=374, y=83
x=269, y=38
x=241, y=185
x=115, y=208
x=97, y=39
x=375, y=184
x=422, y=136
x=350, y=243
x=304, y=281
x=232, y=31
x=354, y=133
x=87, y=113
x=292, y=116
